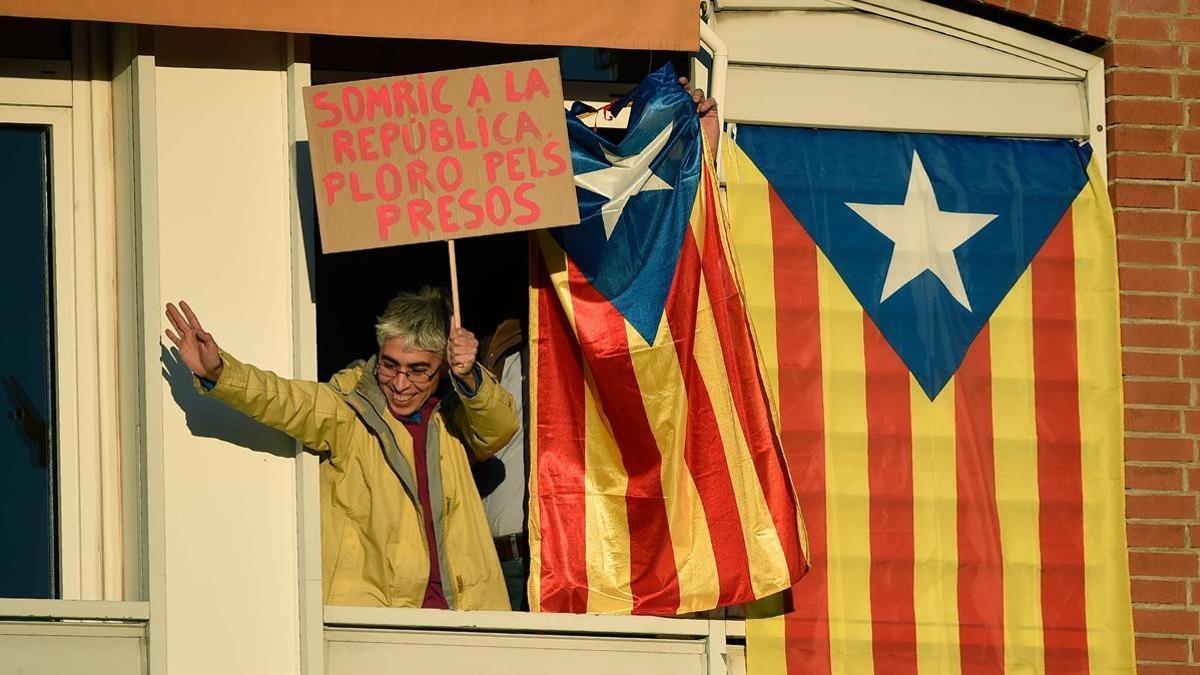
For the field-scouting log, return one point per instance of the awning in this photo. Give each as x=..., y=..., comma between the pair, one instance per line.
x=629, y=24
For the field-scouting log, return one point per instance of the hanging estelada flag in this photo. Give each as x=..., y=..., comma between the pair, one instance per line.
x=938, y=315
x=657, y=481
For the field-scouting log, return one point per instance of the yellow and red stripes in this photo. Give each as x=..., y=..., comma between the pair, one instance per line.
x=1015, y=556
x=600, y=330
x=980, y=559
x=559, y=476
x=705, y=513
x=1060, y=473
x=802, y=429
x=751, y=402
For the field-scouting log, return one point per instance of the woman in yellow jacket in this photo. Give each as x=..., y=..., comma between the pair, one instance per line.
x=399, y=528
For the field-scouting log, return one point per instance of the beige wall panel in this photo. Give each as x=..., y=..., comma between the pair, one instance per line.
x=224, y=245
x=366, y=652
x=35, y=82
x=862, y=41
x=65, y=649
x=826, y=98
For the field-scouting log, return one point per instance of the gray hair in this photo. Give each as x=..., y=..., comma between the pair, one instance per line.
x=421, y=317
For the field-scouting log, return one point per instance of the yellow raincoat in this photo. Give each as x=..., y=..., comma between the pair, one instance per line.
x=373, y=548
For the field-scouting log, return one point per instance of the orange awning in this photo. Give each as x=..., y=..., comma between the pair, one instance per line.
x=629, y=24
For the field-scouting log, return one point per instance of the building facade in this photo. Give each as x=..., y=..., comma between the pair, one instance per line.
x=172, y=165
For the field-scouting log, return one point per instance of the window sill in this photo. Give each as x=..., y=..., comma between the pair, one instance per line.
x=524, y=622
x=84, y=610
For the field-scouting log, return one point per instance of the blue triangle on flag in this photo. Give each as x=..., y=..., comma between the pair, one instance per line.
x=1026, y=184
x=633, y=263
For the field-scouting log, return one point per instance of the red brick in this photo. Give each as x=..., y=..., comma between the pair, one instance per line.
x=1141, y=139
x=1189, y=309
x=1100, y=18
x=1161, y=649
x=1140, y=364
x=1159, y=591
x=1146, y=54
x=1047, y=10
x=1143, y=564
x=1192, y=58
x=1158, y=392
x=1191, y=365
x=1166, y=669
x=1193, y=110
x=1162, y=167
x=1146, y=195
x=1191, y=424
x=1155, y=535
x=1150, y=223
x=1144, y=111
x=1189, y=253
x=1189, y=139
x=1189, y=197
x=1176, y=621
x=1193, y=476
x=1167, y=478
x=1143, y=28
x=1149, y=420
x=1156, y=335
x=1149, y=306
x=1194, y=169
x=1148, y=6
x=1187, y=30
x=1156, y=279
x=1021, y=6
x=1158, y=449
x=1074, y=12
x=1148, y=251
x=1161, y=507
x=1188, y=85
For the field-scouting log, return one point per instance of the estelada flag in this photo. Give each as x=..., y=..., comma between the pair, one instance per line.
x=939, y=319
x=657, y=480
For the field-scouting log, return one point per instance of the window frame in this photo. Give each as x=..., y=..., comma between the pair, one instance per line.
x=72, y=99
x=315, y=617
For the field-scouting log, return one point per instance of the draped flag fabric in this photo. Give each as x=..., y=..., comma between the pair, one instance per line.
x=657, y=480
x=938, y=316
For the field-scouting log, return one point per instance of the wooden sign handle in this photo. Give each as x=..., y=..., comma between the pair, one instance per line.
x=454, y=282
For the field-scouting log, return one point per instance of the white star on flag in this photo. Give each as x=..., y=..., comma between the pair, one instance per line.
x=625, y=178
x=924, y=236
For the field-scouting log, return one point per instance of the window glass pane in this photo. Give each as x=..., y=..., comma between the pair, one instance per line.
x=28, y=529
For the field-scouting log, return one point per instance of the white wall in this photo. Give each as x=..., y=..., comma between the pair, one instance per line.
x=224, y=245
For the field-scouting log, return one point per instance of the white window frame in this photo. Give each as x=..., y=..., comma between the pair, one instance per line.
x=1077, y=73
x=72, y=98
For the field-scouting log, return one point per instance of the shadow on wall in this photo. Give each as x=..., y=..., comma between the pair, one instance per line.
x=209, y=418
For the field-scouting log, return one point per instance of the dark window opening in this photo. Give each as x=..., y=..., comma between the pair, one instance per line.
x=352, y=288
x=28, y=460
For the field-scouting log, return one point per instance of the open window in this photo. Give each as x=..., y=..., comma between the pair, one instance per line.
x=352, y=288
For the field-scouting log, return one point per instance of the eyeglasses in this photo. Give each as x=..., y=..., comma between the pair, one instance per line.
x=419, y=375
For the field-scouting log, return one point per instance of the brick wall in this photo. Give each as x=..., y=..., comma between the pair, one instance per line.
x=1153, y=87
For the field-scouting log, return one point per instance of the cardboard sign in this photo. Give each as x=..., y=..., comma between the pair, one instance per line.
x=445, y=155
